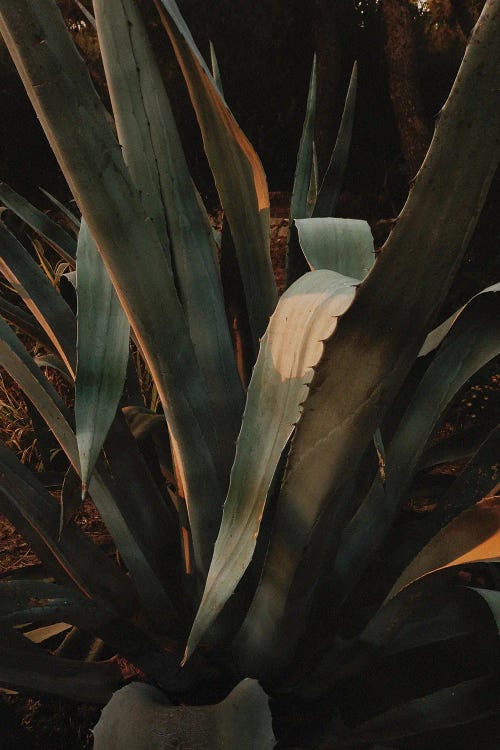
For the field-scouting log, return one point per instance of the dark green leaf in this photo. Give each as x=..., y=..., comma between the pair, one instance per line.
x=52, y=232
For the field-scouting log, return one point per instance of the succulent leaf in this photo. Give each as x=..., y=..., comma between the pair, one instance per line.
x=102, y=351
x=306, y=314
x=341, y=245
x=237, y=170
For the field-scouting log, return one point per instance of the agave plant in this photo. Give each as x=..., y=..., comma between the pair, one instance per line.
x=267, y=564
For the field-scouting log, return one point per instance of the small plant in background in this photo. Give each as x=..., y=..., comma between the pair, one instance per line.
x=259, y=524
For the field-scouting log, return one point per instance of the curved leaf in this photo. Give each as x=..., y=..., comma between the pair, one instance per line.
x=237, y=170
x=474, y=536
x=102, y=348
x=436, y=337
x=342, y=245
x=472, y=341
x=306, y=314
x=52, y=232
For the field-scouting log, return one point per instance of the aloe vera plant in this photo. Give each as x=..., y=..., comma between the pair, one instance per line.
x=260, y=534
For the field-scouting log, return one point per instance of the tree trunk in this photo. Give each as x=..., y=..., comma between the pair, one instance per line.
x=401, y=56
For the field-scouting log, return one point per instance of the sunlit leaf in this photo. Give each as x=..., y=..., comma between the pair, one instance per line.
x=306, y=314
x=474, y=536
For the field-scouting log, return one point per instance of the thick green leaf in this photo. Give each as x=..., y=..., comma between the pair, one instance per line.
x=474, y=536
x=77, y=127
x=52, y=232
x=153, y=152
x=140, y=717
x=237, y=170
x=103, y=350
x=378, y=340
x=331, y=185
x=473, y=340
x=342, y=245
x=34, y=288
x=290, y=349
x=41, y=673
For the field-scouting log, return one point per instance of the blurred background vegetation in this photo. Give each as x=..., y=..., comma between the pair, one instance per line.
x=408, y=53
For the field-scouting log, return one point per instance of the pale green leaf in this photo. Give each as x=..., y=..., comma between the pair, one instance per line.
x=306, y=314
x=341, y=245
x=102, y=348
